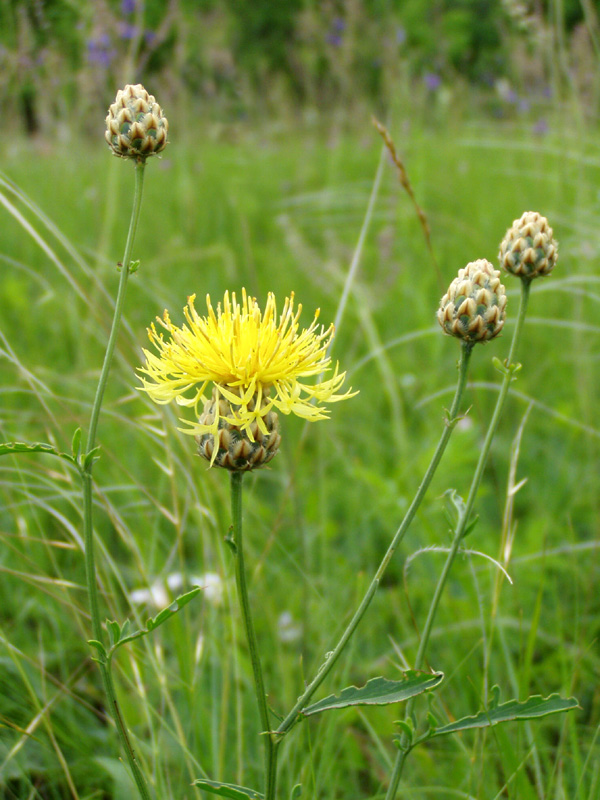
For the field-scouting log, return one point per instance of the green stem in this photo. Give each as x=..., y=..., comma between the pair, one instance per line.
x=461, y=525
x=240, y=578
x=86, y=476
x=327, y=666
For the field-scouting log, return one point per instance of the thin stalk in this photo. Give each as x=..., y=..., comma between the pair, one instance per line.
x=327, y=666
x=86, y=476
x=461, y=526
x=240, y=579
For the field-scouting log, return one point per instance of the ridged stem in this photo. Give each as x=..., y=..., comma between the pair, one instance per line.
x=461, y=526
x=242, y=588
x=328, y=664
x=86, y=476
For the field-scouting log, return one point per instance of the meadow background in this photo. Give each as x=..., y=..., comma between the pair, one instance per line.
x=275, y=180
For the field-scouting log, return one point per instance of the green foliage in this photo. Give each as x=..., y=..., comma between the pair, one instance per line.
x=534, y=707
x=279, y=209
x=228, y=790
x=378, y=692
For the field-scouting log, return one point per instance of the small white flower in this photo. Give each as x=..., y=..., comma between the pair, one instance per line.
x=156, y=595
x=287, y=629
x=175, y=581
x=212, y=585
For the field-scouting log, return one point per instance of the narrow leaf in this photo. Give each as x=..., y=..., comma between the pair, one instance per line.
x=99, y=647
x=511, y=711
x=8, y=448
x=378, y=692
x=153, y=622
x=76, y=445
x=228, y=790
x=296, y=792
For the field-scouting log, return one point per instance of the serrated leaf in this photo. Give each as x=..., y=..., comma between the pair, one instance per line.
x=378, y=692
x=512, y=711
x=8, y=448
x=153, y=622
x=228, y=790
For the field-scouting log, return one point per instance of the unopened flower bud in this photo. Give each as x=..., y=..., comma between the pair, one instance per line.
x=474, y=307
x=238, y=449
x=136, y=126
x=528, y=249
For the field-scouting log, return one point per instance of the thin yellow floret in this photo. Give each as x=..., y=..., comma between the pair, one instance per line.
x=248, y=355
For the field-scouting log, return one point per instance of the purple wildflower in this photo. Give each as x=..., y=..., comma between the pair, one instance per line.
x=432, y=81
x=541, y=127
x=524, y=105
x=128, y=6
x=127, y=30
x=400, y=35
x=338, y=24
x=149, y=36
x=334, y=39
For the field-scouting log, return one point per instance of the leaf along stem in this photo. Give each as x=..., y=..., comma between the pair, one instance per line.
x=86, y=476
x=461, y=527
x=326, y=667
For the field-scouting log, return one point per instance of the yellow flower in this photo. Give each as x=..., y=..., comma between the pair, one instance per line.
x=254, y=360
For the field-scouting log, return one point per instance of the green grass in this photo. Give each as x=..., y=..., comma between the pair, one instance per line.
x=281, y=210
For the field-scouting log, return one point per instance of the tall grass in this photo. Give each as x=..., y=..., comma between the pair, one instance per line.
x=280, y=210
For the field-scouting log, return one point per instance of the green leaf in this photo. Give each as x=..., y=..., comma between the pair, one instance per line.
x=454, y=506
x=99, y=647
x=8, y=448
x=228, y=790
x=121, y=635
x=90, y=458
x=296, y=792
x=378, y=692
x=511, y=711
x=76, y=446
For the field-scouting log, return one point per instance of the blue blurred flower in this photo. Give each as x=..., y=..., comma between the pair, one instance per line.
x=524, y=105
x=541, y=127
x=334, y=39
x=99, y=51
x=128, y=6
x=338, y=24
x=127, y=30
x=432, y=81
x=400, y=35
x=149, y=36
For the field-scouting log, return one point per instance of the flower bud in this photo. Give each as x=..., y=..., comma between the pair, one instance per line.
x=528, y=249
x=135, y=125
x=474, y=307
x=237, y=449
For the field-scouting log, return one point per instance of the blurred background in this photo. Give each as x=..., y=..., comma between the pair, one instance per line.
x=276, y=180
x=231, y=62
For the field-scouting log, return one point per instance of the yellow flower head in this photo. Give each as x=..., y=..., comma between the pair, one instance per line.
x=254, y=360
